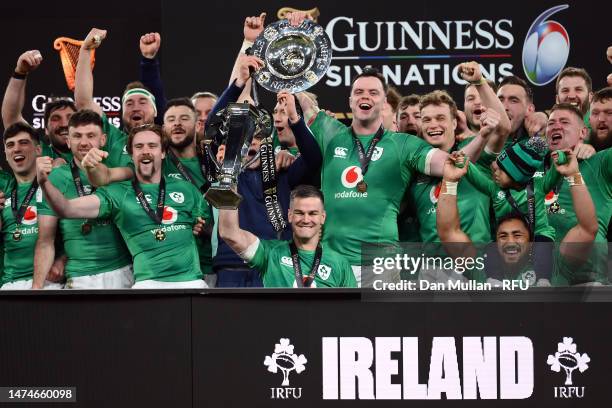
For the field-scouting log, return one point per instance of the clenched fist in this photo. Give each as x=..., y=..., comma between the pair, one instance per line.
x=149, y=45
x=28, y=62
x=44, y=165
x=93, y=158
x=470, y=71
x=94, y=39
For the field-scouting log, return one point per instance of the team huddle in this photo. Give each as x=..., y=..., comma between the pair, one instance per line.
x=88, y=205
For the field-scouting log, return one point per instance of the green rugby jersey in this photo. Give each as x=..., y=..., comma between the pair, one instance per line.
x=101, y=250
x=193, y=165
x=502, y=206
x=19, y=255
x=473, y=205
x=174, y=259
x=395, y=161
x=273, y=260
x=6, y=182
x=597, y=175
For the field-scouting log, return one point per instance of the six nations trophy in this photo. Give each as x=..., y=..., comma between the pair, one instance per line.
x=295, y=59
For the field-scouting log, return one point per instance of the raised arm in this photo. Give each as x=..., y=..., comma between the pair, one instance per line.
x=229, y=230
x=447, y=213
x=470, y=71
x=584, y=232
x=82, y=207
x=44, y=252
x=309, y=149
x=84, y=82
x=253, y=26
x=14, y=96
x=150, y=74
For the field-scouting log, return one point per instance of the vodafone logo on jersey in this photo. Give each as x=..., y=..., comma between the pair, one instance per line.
x=434, y=193
x=351, y=176
x=550, y=198
x=170, y=215
x=30, y=216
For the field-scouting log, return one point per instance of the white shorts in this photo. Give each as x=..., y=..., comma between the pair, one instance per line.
x=27, y=285
x=153, y=284
x=122, y=278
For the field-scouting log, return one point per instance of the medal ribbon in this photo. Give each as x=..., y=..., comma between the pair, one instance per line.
x=76, y=177
x=18, y=214
x=187, y=174
x=300, y=280
x=161, y=199
x=530, y=207
x=366, y=157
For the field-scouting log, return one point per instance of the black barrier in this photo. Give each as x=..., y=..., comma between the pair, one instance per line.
x=235, y=348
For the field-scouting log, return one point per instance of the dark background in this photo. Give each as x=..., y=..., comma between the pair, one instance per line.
x=200, y=40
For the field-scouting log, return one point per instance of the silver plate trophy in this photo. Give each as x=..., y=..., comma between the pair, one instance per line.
x=296, y=57
x=234, y=127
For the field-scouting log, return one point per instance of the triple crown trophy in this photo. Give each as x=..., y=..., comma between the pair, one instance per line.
x=295, y=59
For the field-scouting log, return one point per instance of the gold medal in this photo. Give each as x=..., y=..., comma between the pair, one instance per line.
x=554, y=208
x=362, y=187
x=160, y=235
x=86, y=228
x=16, y=235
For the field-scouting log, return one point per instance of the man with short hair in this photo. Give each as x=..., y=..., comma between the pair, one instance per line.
x=155, y=214
x=19, y=219
x=366, y=169
x=203, y=103
x=56, y=115
x=87, y=242
x=600, y=119
x=439, y=118
x=513, y=233
x=302, y=262
x=473, y=103
x=566, y=130
x=184, y=161
x=574, y=86
x=517, y=99
x=409, y=115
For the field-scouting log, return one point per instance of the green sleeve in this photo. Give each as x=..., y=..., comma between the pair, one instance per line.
x=324, y=128
x=58, y=182
x=260, y=259
x=482, y=183
x=551, y=179
x=107, y=207
x=414, y=153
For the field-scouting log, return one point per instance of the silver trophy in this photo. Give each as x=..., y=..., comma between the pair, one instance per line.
x=296, y=57
x=234, y=127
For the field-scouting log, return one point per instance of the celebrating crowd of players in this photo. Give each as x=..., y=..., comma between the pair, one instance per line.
x=92, y=206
